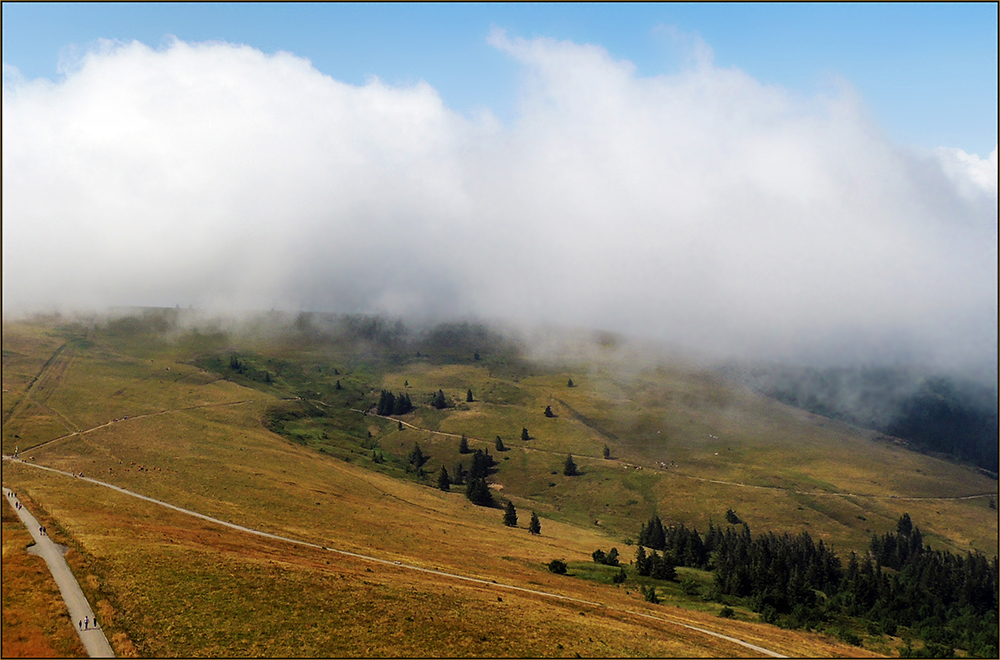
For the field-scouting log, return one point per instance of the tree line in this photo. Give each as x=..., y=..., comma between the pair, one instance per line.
x=949, y=600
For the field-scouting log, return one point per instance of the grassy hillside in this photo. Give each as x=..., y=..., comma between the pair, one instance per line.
x=248, y=425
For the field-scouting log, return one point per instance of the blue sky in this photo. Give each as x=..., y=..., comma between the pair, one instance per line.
x=928, y=72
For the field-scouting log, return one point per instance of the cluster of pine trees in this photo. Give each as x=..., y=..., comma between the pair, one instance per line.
x=685, y=546
x=777, y=573
x=609, y=558
x=389, y=404
x=660, y=567
x=949, y=600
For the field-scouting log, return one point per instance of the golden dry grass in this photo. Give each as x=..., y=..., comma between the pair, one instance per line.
x=36, y=623
x=188, y=587
x=170, y=585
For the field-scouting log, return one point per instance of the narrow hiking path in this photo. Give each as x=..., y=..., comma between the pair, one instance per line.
x=677, y=473
x=134, y=417
x=40, y=376
x=673, y=620
x=79, y=608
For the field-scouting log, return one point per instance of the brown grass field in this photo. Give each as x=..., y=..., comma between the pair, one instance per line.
x=36, y=623
x=167, y=584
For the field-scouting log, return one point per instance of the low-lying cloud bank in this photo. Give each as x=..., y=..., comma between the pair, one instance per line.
x=702, y=208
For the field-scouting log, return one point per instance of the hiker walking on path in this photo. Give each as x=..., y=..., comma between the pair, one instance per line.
x=95, y=641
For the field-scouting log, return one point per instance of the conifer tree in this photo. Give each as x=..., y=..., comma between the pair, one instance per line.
x=535, y=526
x=444, y=482
x=479, y=493
x=460, y=474
x=524, y=435
x=570, y=383
x=402, y=404
x=500, y=445
x=416, y=456
x=607, y=451
x=548, y=411
x=569, y=468
x=510, y=515
x=439, y=401
x=338, y=386
x=463, y=445
x=468, y=396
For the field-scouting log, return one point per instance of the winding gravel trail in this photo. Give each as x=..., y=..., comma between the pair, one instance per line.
x=93, y=639
x=453, y=576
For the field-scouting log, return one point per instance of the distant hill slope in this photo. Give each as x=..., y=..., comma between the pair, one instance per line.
x=933, y=413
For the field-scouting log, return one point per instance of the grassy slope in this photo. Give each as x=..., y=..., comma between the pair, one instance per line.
x=212, y=453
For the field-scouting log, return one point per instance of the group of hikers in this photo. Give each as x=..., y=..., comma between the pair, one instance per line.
x=85, y=624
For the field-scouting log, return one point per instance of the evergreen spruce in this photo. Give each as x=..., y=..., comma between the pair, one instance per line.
x=570, y=383
x=479, y=493
x=468, y=396
x=463, y=445
x=607, y=452
x=338, y=386
x=500, y=445
x=524, y=435
x=444, y=482
x=569, y=468
x=416, y=457
x=548, y=411
x=510, y=515
x=535, y=526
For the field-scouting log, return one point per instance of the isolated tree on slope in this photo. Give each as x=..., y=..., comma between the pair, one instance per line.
x=548, y=411
x=510, y=515
x=569, y=468
x=524, y=435
x=535, y=526
x=463, y=446
x=499, y=445
x=468, y=396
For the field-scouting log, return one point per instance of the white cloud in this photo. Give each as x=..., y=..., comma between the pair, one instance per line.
x=972, y=175
x=702, y=207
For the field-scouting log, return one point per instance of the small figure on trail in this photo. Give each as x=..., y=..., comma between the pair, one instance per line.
x=86, y=622
x=80, y=623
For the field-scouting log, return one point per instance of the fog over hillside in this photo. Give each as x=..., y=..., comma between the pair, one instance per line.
x=702, y=208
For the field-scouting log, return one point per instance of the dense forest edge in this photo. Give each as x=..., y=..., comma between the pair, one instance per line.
x=947, y=600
